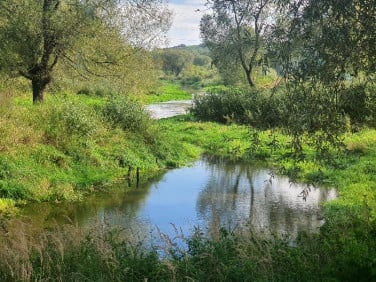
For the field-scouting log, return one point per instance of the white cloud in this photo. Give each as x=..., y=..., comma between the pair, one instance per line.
x=186, y=23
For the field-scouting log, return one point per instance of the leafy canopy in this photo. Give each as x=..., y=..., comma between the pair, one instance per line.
x=93, y=37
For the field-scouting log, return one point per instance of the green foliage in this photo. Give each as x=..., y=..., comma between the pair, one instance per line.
x=300, y=109
x=234, y=34
x=195, y=73
x=9, y=187
x=73, y=144
x=175, y=60
x=222, y=105
x=201, y=60
x=319, y=47
x=83, y=38
x=70, y=119
x=196, y=77
x=344, y=248
x=12, y=190
x=341, y=252
x=349, y=238
x=127, y=114
x=358, y=102
x=258, y=108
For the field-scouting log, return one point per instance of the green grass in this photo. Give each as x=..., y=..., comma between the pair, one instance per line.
x=346, y=246
x=73, y=144
x=168, y=91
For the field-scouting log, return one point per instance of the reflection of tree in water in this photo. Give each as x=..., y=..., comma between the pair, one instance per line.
x=226, y=194
x=238, y=194
x=225, y=197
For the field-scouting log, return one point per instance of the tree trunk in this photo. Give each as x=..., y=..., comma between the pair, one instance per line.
x=39, y=85
x=248, y=73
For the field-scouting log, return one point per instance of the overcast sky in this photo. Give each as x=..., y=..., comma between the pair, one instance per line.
x=186, y=22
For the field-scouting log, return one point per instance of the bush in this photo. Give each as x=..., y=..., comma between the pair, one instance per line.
x=69, y=119
x=222, y=104
x=127, y=114
x=371, y=105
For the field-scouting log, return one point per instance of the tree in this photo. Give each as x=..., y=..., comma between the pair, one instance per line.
x=326, y=39
x=176, y=60
x=37, y=34
x=344, y=37
x=326, y=49
x=201, y=60
x=233, y=32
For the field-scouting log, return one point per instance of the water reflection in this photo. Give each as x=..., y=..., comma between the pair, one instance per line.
x=210, y=193
x=237, y=194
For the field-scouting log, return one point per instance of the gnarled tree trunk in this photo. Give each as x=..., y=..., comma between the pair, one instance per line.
x=38, y=84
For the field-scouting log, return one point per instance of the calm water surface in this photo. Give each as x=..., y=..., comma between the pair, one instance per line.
x=169, y=109
x=210, y=193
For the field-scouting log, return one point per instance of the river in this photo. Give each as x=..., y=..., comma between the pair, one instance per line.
x=207, y=194
x=169, y=109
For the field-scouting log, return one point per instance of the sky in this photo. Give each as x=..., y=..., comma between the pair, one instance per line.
x=185, y=28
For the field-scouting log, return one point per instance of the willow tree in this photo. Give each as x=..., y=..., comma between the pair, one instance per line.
x=90, y=36
x=233, y=31
x=327, y=52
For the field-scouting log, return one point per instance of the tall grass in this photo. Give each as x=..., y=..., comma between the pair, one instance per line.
x=99, y=254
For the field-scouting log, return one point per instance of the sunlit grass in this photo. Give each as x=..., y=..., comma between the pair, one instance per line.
x=6, y=205
x=66, y=147
x=168, y=91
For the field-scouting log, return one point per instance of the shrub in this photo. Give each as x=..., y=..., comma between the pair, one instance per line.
x=69, y=119
x=221, y=104
x=226, y=105
x=371, y=105
x=127, y=114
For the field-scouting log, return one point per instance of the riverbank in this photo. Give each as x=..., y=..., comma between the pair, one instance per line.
x=344, y=250
x=72, y=145
x=352, y=171
x=67, y=147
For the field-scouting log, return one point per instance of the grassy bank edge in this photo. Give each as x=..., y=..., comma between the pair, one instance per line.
x=352, y=172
